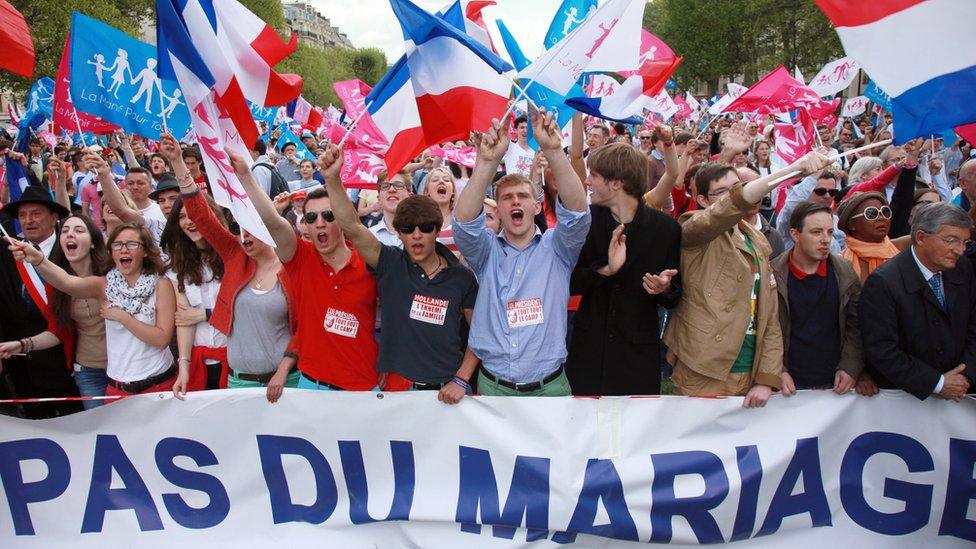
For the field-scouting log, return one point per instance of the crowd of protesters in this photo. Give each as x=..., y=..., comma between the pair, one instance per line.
x=599, y=268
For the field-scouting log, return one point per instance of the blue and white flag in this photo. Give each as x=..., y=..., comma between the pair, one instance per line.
x=876, y=94
x=288, y=136
x=114, y=76
x=264, y=114
x=539, y=94
x=569, y=15
x=39, y=111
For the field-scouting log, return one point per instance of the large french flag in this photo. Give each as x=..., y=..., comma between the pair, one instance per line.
x=466, y=16
x=453, y=80
x=902, y=45
x=239, y=51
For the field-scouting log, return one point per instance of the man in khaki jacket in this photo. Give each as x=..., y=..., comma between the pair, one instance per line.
x=724, y=338
x=818, y=297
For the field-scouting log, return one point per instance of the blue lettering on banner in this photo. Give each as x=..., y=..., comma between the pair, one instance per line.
x=528, y=495
x=19, y=493
x=527, y=504
x=751, y=473
x=191, y=517
x=694, y=509
x=109, y=457
x=813, y=500
x=283, y=509
x=354, y=473
x=960, y=491
x=600, y=482
x=917, y=497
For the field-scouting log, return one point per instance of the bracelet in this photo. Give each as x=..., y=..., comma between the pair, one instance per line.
x=461, y=383
x=30, y=345
x=208, y=313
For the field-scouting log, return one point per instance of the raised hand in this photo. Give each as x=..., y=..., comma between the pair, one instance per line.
x=811, y=163
x=494, y=142
x=170, y=148
x=94, y=162
x=238, y=163
x=545, y=129
x=330, y=162
x=736, y=138
x=24, y=252
x=665, y=134
x=658, y=284
x=617, y=252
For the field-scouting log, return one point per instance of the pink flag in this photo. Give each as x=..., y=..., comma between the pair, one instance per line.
x=778, y=92
x=794, y=140
x=652, y=50
x=361, y=167
x=684, y=109
x=464, y=156
x=352, y=94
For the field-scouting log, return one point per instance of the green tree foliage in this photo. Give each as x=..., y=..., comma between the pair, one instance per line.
x=49, y=22
x=721, y=38
x=321, y=68
x=269, y=11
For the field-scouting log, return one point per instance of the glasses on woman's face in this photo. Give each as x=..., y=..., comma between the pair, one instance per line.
x=327, y=216
x=872, y=213
x=130, y=245
x=824, y=191
x=425, y=228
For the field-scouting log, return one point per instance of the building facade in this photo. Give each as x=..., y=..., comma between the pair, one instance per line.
x=312, y=27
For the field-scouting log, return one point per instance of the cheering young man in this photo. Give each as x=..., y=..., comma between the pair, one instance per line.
x=519, y=327
x=424, y=290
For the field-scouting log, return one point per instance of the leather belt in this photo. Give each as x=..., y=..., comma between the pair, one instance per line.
x=322, y=383
x=263, y=379
x=428, y=386
x=522, y=387
x=136, y=387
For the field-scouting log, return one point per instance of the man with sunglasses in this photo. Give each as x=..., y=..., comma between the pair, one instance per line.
x=820, y=189
x=425, y=292
x=818, y=296
x=519, y=326
x=392, y=191
x=921, y=336
x=335, y=293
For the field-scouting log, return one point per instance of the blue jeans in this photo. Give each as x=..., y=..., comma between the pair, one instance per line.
x=91, y=382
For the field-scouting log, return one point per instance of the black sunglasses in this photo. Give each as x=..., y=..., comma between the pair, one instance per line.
x=823, y=191
x=425, y=228
x=327, y=216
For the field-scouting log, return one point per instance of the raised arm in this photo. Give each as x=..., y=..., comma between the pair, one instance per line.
x=576, y=146
x=110, y=191
x=81, y=287
x=126, y=146
x=546, y=131
x=366, y=243
x=58, y=178
x=491, y=149
x=286, y=242
x=661, y=193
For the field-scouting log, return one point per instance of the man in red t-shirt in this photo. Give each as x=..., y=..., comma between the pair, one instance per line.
x=334, y=293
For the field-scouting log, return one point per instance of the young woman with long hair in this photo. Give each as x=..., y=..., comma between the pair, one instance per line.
x=77, y=322
x=254, y=305
x=440, y=187
x=138, y=309
x=195, y=269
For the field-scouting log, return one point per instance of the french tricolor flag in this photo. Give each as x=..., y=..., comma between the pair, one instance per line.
x=239, y=51
x=303, y=112
x=453, y=80
x=902, y=45
x=637, y=93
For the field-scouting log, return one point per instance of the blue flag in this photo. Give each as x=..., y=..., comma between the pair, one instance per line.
x=569, y=15
x=264, y=114
x=539, y=94
x=39, y=111
x=114, y=76
x=288, y=136
x=876, y=94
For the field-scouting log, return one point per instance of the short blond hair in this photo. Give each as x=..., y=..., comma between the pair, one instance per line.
x=512, y=179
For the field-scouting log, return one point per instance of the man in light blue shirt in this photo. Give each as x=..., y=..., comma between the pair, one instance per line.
x=519, y=325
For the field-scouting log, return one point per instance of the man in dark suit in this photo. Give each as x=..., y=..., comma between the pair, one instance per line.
x=43, y=373
x=627, y=267
x=918, y=310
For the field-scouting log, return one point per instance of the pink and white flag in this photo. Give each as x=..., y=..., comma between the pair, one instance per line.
x=663, y=104
x=601, y=85
x=653, y=50
x=835, y=76
x=361, y=167
x=792, y=141
x=352, y=94
x=609, y=40
x=854, y=106
x=464, y=156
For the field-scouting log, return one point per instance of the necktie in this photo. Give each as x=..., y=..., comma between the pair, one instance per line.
x=936, y=284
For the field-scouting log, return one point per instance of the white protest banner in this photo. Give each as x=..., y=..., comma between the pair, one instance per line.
x=854, y=106
x=349, y=470
x=835, y=76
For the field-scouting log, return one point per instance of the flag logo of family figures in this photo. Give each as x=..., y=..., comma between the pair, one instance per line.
x=114, y=76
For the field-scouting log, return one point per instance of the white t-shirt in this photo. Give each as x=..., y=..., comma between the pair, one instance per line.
x=130, y=358
x=518, y=160
x=203, y=296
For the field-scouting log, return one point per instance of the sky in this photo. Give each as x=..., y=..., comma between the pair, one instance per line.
x=371, y=23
